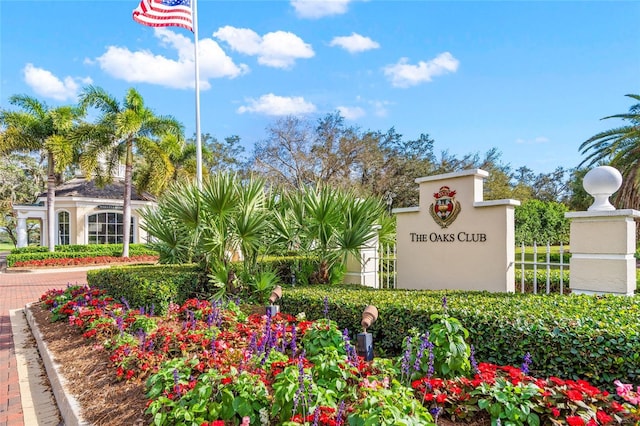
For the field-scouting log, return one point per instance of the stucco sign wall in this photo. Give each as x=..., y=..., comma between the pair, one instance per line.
x=454, y=239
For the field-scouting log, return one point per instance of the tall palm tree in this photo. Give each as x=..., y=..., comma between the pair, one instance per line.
x=120, y=130
x=39, y=128
x=619, y=148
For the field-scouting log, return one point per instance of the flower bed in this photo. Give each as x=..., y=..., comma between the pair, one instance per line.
x=211, y=364
x=83, y=261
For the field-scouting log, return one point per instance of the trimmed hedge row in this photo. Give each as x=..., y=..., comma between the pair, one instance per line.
x=148, y=285
x=541, y=280
x=593, y=338
x=75, y=251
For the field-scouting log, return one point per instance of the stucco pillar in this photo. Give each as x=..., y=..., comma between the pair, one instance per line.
x=602, y=252
x=603, y=240
x=21, y=229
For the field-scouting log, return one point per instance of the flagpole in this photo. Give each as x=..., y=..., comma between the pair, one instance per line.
x=197, y=59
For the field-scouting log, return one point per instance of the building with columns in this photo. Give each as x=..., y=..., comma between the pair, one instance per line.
x=85, y=214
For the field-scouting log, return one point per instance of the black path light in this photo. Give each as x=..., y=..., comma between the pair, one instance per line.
x=276, y=294
x=364, y=346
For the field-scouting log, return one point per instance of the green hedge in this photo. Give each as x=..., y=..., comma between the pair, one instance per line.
x=148, y=285
x=75, y=251
x=593, y=338
x=541, y=278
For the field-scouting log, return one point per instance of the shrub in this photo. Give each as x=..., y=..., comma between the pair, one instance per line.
x=541, y=280
x=148, y=286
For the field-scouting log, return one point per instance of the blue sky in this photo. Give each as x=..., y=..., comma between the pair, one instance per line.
x=532, y=79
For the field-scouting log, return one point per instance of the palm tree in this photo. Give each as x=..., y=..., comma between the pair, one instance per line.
x=619, y=148
x=121, y=129
x=38, y=128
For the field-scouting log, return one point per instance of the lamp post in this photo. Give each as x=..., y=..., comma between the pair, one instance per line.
x=364, y=347
x=272, y=309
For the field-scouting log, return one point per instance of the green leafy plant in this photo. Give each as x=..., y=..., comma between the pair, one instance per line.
x=323, y=336
x=508, y=403
x=450, y=348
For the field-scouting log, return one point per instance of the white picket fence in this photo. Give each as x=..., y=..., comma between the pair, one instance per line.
x=548, y=266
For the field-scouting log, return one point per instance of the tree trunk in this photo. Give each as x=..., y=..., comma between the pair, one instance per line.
x=126, y=219
x=51, y=210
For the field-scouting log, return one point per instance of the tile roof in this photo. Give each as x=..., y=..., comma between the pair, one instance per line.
x=81, y=187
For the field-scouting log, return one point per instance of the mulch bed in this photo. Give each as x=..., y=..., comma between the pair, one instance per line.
x=103, y=399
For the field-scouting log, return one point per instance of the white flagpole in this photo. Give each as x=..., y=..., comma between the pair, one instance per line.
x=198, y=139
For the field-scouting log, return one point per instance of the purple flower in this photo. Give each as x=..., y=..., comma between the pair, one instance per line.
x=293, y=345
x=125, y=303
x=326, y=307
x=424, y=344
x=444, y=303
x=406, y=359
x=430, y=368
x=296, y=397
x=340, y=413
x=472, y=360
x=351, y=351
x=176, y=380
x=253, y=343
x=435, y=412
x=526, y=363
x=283, y=331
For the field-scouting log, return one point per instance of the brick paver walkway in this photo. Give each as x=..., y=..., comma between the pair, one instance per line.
x=16, y=290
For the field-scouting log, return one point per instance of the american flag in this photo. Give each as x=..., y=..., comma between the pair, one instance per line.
x=164, y=13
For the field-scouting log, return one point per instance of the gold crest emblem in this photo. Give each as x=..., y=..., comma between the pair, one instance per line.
x=445, y=209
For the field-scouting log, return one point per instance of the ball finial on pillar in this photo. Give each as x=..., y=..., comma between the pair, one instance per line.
x=601, y=183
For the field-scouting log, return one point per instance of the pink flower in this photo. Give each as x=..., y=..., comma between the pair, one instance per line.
x=246, y=421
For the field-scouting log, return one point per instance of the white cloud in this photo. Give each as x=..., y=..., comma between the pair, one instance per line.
x=45, y=83
x=143, y=66
x=354, y=43
x=351, y=113
x=536, y=140
x=278, y=49
x=315, y=9
x=380, y=108
x=271, y=104
x=405, y=75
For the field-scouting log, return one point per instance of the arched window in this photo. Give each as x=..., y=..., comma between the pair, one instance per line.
x=106, y=228
x=63, y=228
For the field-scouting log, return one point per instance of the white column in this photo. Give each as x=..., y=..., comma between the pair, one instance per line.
x=23, y=240
x=364, y=270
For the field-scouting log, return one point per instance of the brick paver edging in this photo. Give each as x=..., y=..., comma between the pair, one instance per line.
x=67, y=404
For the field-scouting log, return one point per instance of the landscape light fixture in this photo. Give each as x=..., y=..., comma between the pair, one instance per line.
x=364, y=347
x=272, y=308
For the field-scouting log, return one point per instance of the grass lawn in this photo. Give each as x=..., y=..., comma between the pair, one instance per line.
x=6, y=247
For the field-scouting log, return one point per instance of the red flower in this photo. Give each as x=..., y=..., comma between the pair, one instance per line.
x=574, y=395
x=557, y=381
x=226, y=380
x=555, y=412
x=616, y=406
x=441, y=398
x=603, y=417
x=575, y=421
